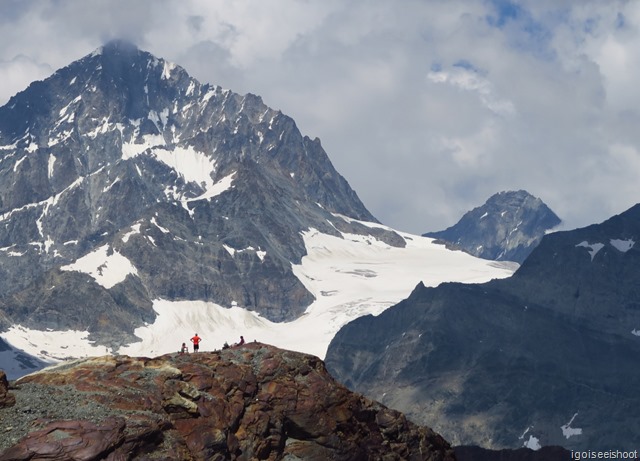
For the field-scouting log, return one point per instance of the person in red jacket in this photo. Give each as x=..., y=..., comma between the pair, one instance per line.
x=196, y=342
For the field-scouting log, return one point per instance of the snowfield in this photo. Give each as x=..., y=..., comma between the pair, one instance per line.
x=350, y=277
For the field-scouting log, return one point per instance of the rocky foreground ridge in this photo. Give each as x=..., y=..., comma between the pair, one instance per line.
x=253, y=402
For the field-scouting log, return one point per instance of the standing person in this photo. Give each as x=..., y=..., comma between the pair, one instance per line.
x=196, y=342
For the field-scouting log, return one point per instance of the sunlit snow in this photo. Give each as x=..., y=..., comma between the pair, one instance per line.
x=52, y=161
x=107, y=269
x=133, y=149
x=349, y=277
x=192, y=165
x=60, y=345
x=216, y=189
x=135, y=229
x=46, y=346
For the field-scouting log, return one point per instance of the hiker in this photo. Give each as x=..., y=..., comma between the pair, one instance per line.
x=241, y=341
x=196, y=342
x=184, y=349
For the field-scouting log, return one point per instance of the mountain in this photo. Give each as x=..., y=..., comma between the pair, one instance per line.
x=250, y=402
x=138, y=206
x=506, y=228
x=545, y=357
x=123, y=179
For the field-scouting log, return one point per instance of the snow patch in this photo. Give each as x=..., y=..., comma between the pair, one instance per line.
x=622, y=245
x=135, y=229
x=164, y=230
x=569, y=431
x=106, y=269
x=216, y=189
x=52, y=161
x=149, y=141
x=32, y=147
x=167, y=68
x=47, y=346
x=192, y=165
x=533, y=443
x=594, y=248
x=101, y=128
x=17, y=164
x=108, y=187
x=10, y=252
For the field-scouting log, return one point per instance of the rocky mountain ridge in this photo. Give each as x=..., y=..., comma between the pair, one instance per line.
x=545, y=357
x=250, y=402
x=123, y=180
x=506, y=228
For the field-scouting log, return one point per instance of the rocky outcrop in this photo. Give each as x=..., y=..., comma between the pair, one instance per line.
x=6, y=398
x=242, y=403
x=506, y=228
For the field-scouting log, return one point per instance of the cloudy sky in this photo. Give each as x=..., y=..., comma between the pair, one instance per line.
x=426, y=107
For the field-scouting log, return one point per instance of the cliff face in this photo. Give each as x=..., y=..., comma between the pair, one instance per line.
x=253, y=402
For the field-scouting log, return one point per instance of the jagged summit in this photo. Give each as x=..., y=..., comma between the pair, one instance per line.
x=506, y=228
x=123, y=180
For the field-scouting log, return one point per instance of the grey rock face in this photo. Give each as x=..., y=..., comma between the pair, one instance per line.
x=506, y=228
x=550, y=353
x=195, y=191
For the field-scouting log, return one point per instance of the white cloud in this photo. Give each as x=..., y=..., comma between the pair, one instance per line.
x=18, y=72
x=470, y=80
x=427, y=109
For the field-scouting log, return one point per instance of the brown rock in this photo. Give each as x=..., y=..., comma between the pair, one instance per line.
x=81, y=440
x=255, y=402
x=6, y=398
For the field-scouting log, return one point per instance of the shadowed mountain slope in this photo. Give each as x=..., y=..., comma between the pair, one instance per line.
x=545, y=357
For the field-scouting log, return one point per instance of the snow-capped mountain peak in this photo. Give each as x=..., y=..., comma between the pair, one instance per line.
x=125, y=183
